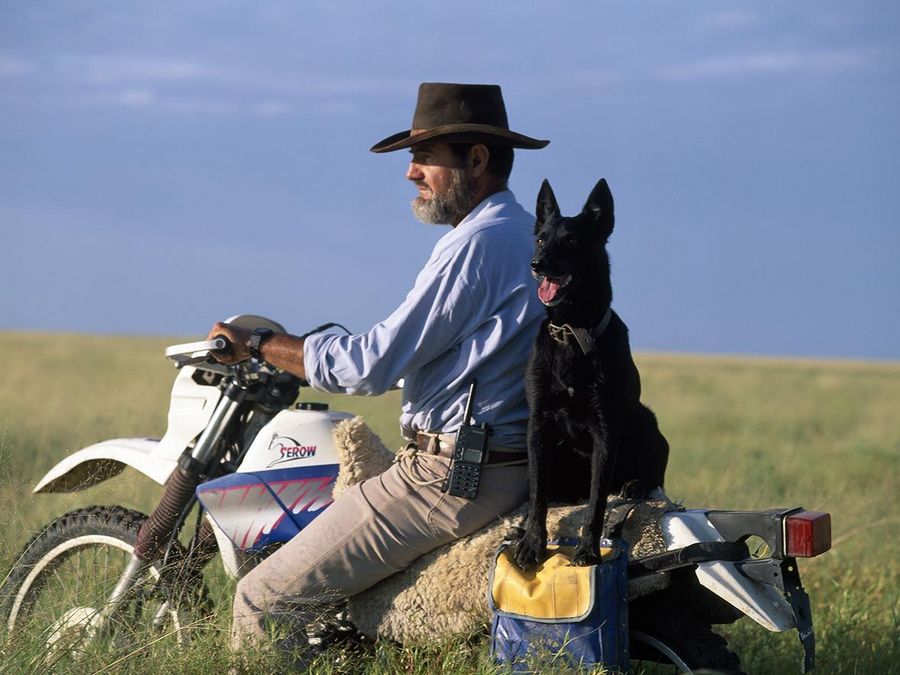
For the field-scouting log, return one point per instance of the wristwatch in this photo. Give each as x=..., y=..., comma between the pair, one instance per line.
x=257, y=338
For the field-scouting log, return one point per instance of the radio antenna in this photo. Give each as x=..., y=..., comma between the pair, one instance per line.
x=468, y=414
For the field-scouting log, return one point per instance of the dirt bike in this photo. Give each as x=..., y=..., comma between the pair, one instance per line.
x=262, y=467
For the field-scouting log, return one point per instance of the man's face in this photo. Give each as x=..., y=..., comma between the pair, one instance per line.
x=430, y=168
x=446, y=187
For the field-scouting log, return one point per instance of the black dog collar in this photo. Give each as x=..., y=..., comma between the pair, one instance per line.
x=584, y=337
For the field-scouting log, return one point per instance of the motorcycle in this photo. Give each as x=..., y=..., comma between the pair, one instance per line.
x=262, y=466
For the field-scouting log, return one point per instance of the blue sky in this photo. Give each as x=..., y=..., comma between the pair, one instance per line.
x=164, y=165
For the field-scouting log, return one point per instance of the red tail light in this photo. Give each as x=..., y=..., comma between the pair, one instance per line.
x=807, y=534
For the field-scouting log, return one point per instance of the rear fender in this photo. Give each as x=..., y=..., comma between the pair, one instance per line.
x=763, y=603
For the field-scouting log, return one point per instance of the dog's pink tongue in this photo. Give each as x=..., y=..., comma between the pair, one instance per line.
x=547, y=290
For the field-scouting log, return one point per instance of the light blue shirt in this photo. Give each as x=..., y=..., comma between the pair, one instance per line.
x=472, y=314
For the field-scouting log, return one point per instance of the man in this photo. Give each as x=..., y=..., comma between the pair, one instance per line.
x=472, y=314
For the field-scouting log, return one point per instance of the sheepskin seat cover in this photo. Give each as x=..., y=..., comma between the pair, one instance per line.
x=361, y=454
x=444, y=592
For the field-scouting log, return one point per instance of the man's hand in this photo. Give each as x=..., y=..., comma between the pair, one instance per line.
x=280, y=350
x=238, y=337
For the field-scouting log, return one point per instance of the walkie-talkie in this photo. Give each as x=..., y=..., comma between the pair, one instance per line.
x=468, y=456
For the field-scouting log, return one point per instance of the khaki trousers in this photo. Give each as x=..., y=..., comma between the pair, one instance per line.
x=374, y=529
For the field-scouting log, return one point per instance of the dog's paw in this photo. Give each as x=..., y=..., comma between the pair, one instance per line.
x=530, y=551
x=584, y=557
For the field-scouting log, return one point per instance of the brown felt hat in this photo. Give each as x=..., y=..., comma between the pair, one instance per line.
x=459, y=112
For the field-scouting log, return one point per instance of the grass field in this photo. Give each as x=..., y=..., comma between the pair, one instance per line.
x=745, y=433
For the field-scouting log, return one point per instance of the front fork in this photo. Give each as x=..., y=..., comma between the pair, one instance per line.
x=157, y=531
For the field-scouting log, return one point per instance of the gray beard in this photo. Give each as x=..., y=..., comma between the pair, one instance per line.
x=450, y=207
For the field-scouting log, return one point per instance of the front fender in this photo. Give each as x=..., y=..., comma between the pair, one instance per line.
x=96, y=463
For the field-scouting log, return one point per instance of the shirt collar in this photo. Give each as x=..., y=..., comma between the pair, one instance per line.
x=501, y=198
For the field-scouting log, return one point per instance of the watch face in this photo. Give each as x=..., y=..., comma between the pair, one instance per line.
x=257, y=337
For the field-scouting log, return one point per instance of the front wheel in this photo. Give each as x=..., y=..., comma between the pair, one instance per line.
x=51, y=598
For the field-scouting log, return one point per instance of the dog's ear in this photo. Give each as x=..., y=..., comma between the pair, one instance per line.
x=547, y=207
x=599, y=206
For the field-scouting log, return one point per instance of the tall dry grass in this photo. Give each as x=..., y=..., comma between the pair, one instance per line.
x=745, y=434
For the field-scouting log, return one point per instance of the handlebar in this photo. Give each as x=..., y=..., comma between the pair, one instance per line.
x=189, y=348
x=193, y=353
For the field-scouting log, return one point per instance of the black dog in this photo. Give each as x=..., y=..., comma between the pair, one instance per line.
x=588, y=434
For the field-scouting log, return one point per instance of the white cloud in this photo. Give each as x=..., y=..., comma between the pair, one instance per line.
x=336, y=107
x=199, y=106
x=10, y=66
x=729, y=19
x=137, y=97
x=562, y=80
x=153, y=100
x=769, y=62
x=110, y=70
x=185, y=86
x=271, y=108
x=116, y=69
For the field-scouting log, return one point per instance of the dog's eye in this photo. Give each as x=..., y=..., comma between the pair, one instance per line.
x=540, y=243
x=571, y=241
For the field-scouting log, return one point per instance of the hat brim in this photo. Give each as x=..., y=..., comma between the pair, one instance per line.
x=460, y=133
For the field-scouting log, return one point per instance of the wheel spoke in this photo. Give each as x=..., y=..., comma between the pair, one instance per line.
x=64, y=578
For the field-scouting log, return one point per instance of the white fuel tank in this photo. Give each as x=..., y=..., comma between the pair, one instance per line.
x=294, y=439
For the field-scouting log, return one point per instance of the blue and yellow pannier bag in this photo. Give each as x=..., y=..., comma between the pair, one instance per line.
x=558, y=613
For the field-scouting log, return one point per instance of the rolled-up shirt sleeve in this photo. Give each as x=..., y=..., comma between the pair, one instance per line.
x=441, y=308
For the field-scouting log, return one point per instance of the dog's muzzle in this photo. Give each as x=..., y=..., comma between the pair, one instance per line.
x=551, y=289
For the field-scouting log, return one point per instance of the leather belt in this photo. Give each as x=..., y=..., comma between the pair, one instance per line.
x=503, y=456
x=444, y=444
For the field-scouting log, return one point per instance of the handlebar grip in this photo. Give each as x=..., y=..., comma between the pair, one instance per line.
x=223, y=346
